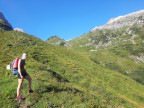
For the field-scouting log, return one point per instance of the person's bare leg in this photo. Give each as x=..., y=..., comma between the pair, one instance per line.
x=29, y=81
x=20, y=81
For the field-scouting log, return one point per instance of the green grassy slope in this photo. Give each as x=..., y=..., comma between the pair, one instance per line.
x=121, y=50
x=63, y=78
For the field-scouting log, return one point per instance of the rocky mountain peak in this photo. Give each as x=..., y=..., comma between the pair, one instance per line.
x=4, y=24
x=121, y=21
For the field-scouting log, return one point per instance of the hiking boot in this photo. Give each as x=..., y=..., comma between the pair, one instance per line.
x=30, y=91
x=19, y=99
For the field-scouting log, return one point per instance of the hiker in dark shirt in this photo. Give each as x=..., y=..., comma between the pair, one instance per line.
x=22, y=74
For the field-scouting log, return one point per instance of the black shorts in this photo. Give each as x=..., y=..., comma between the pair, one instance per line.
x=23, y=73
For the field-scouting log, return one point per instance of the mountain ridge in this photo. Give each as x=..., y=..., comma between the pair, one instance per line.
x=120, y=21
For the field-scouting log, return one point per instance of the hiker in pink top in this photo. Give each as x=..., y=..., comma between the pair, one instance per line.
x=22, y=74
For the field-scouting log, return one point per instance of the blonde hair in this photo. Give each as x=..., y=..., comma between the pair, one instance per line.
x=24, y=54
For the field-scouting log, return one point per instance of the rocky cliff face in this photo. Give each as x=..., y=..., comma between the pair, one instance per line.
x=4, y=24
x=121, y=21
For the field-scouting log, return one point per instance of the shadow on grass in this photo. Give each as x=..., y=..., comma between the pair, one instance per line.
x=54, y=74
x=52, y=89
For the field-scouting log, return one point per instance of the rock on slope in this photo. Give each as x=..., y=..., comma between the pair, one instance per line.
x=19, y=30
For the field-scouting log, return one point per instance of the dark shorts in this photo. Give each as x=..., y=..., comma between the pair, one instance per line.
x=23, y=73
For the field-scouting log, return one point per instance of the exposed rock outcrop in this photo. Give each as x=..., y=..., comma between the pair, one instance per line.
x=19, y=29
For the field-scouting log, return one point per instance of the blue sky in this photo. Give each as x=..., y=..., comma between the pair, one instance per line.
x=65, y=18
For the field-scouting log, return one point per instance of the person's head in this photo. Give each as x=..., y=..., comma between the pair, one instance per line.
x=24, y=55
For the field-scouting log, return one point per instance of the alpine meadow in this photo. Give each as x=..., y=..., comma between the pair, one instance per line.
x=103, y=68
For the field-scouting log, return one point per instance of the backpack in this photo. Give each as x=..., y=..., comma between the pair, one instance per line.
x=14, y=66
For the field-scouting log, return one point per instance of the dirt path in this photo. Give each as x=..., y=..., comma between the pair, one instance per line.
x=24, y=103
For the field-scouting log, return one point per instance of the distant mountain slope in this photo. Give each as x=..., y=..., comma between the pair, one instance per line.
x=116, y=45
x=62, y=77
x=4, y=24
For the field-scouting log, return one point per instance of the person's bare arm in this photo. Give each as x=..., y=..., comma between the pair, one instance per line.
x=19, y=68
